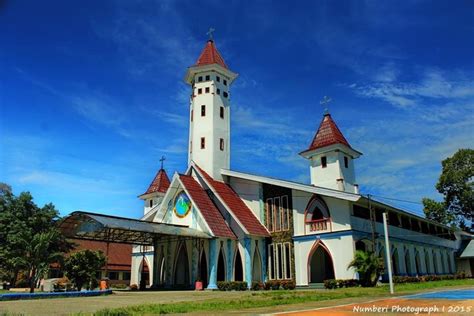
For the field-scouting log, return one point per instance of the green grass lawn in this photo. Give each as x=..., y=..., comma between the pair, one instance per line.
x=275, y=298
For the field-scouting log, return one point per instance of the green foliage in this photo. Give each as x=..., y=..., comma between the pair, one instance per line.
x=368, y=265
x=340, y=283
x=456, y=184
x=82, y=266
x=29, y=239
x=232, y=286
x=437, y=212
x=428, y=278
x=257, y=286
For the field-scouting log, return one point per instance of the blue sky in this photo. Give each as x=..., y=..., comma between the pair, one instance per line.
x=92, y=92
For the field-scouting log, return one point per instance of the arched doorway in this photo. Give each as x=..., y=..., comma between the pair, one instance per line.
x=181, y=270
x=396, y=268
x=203, y=269
x=257, y=267
x=238, y=268
x=144, y=274
x=221, y=266
x=418, y=263
x=320, y=265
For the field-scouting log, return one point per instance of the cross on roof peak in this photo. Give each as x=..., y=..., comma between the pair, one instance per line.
x=209, y=33
x=324, y=102
x=162, y=160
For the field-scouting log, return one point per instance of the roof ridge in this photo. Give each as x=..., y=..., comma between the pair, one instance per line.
x=328, y=133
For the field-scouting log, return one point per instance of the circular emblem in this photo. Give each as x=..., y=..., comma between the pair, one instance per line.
x=182, y=205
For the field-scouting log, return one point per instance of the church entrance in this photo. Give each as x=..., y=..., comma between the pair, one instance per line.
x=257, y=267
x=181, y=270
x=238, y=268
x=221, y=267
x=320, y=265
x=203, y=269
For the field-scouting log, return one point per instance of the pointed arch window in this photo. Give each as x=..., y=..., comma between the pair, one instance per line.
x=317, y=215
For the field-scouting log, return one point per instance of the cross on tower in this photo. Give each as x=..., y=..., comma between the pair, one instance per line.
x=324, y=102
x=162, y=160
x=211, y=30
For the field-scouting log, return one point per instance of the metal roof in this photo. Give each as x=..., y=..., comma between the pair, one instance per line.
x=468, y=252
x=93, y=226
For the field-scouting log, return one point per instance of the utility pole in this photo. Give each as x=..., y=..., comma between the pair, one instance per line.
x=387, y=252
x=372, y=222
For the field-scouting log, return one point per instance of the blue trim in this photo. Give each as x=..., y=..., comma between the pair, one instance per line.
x=212, y=285
x=140, y=254
x=324, y=235
x=248, y=261
x=26, y=296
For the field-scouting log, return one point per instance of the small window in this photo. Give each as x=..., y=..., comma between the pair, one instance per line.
x=151, y=203
x=208, y=78
x=222, y=112
x=218, y=79
x=200, y=91
x=221, y=144
x=208, y=90
x=346, y=162
x=200, y=79
x=203, y=110
x=192, y=114
x=225, y=94
x=203, y=142
x=225, y=82
x=126, y=275
x=324, y=162
x=218, y=91
x=113, y=275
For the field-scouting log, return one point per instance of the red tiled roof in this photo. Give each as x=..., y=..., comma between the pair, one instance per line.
x=328, y=134
x=211, y=214
x=243, y=214
x=120, y=255
x=210, y=55
x=160, y=183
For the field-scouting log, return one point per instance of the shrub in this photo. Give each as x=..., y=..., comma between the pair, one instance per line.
x=288, y=284
x=368, y=265
x=232, y=285
x=340, y=283
x=258, y=286
x=134, y=287
x=272, y=285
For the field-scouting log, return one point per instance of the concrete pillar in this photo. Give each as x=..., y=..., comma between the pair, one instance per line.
x=431, y=261
x=421, y=256
x=156, y=264
x=412, y=270
x=439, y=262
x=230, y=261
x=401, y=259
x=453, y=262
x=212, y=285
x=248, y=261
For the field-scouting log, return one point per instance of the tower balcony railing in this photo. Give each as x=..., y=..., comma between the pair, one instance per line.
x=316, y=225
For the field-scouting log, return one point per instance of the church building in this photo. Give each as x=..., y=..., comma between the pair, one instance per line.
x=260, y=228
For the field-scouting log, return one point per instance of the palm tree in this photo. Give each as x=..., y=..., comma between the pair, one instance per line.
x=39, y=254
x=368, y=265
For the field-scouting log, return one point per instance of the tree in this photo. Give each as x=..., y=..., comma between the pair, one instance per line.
x=81, y=267
x=456, y=184
x=29, y=239
x=368, y=265
x=437, y=212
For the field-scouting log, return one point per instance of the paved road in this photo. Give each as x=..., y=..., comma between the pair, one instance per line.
x=66, y=306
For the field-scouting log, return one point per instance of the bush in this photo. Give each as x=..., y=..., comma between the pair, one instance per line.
x=427, y=278
x=134, y=287
x=257, y=286
x=272, y=285
x=340, y=283
x=288, y=284
x=232, y=286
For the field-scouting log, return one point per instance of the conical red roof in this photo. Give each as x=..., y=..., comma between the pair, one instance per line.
x=328, y=134
x=210, y=55
x=160, y=183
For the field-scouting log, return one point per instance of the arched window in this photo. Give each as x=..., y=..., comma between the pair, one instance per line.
x=316, y=210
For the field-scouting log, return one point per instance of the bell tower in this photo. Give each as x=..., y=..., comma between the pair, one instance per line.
x=209, y=111
x=331, y=158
